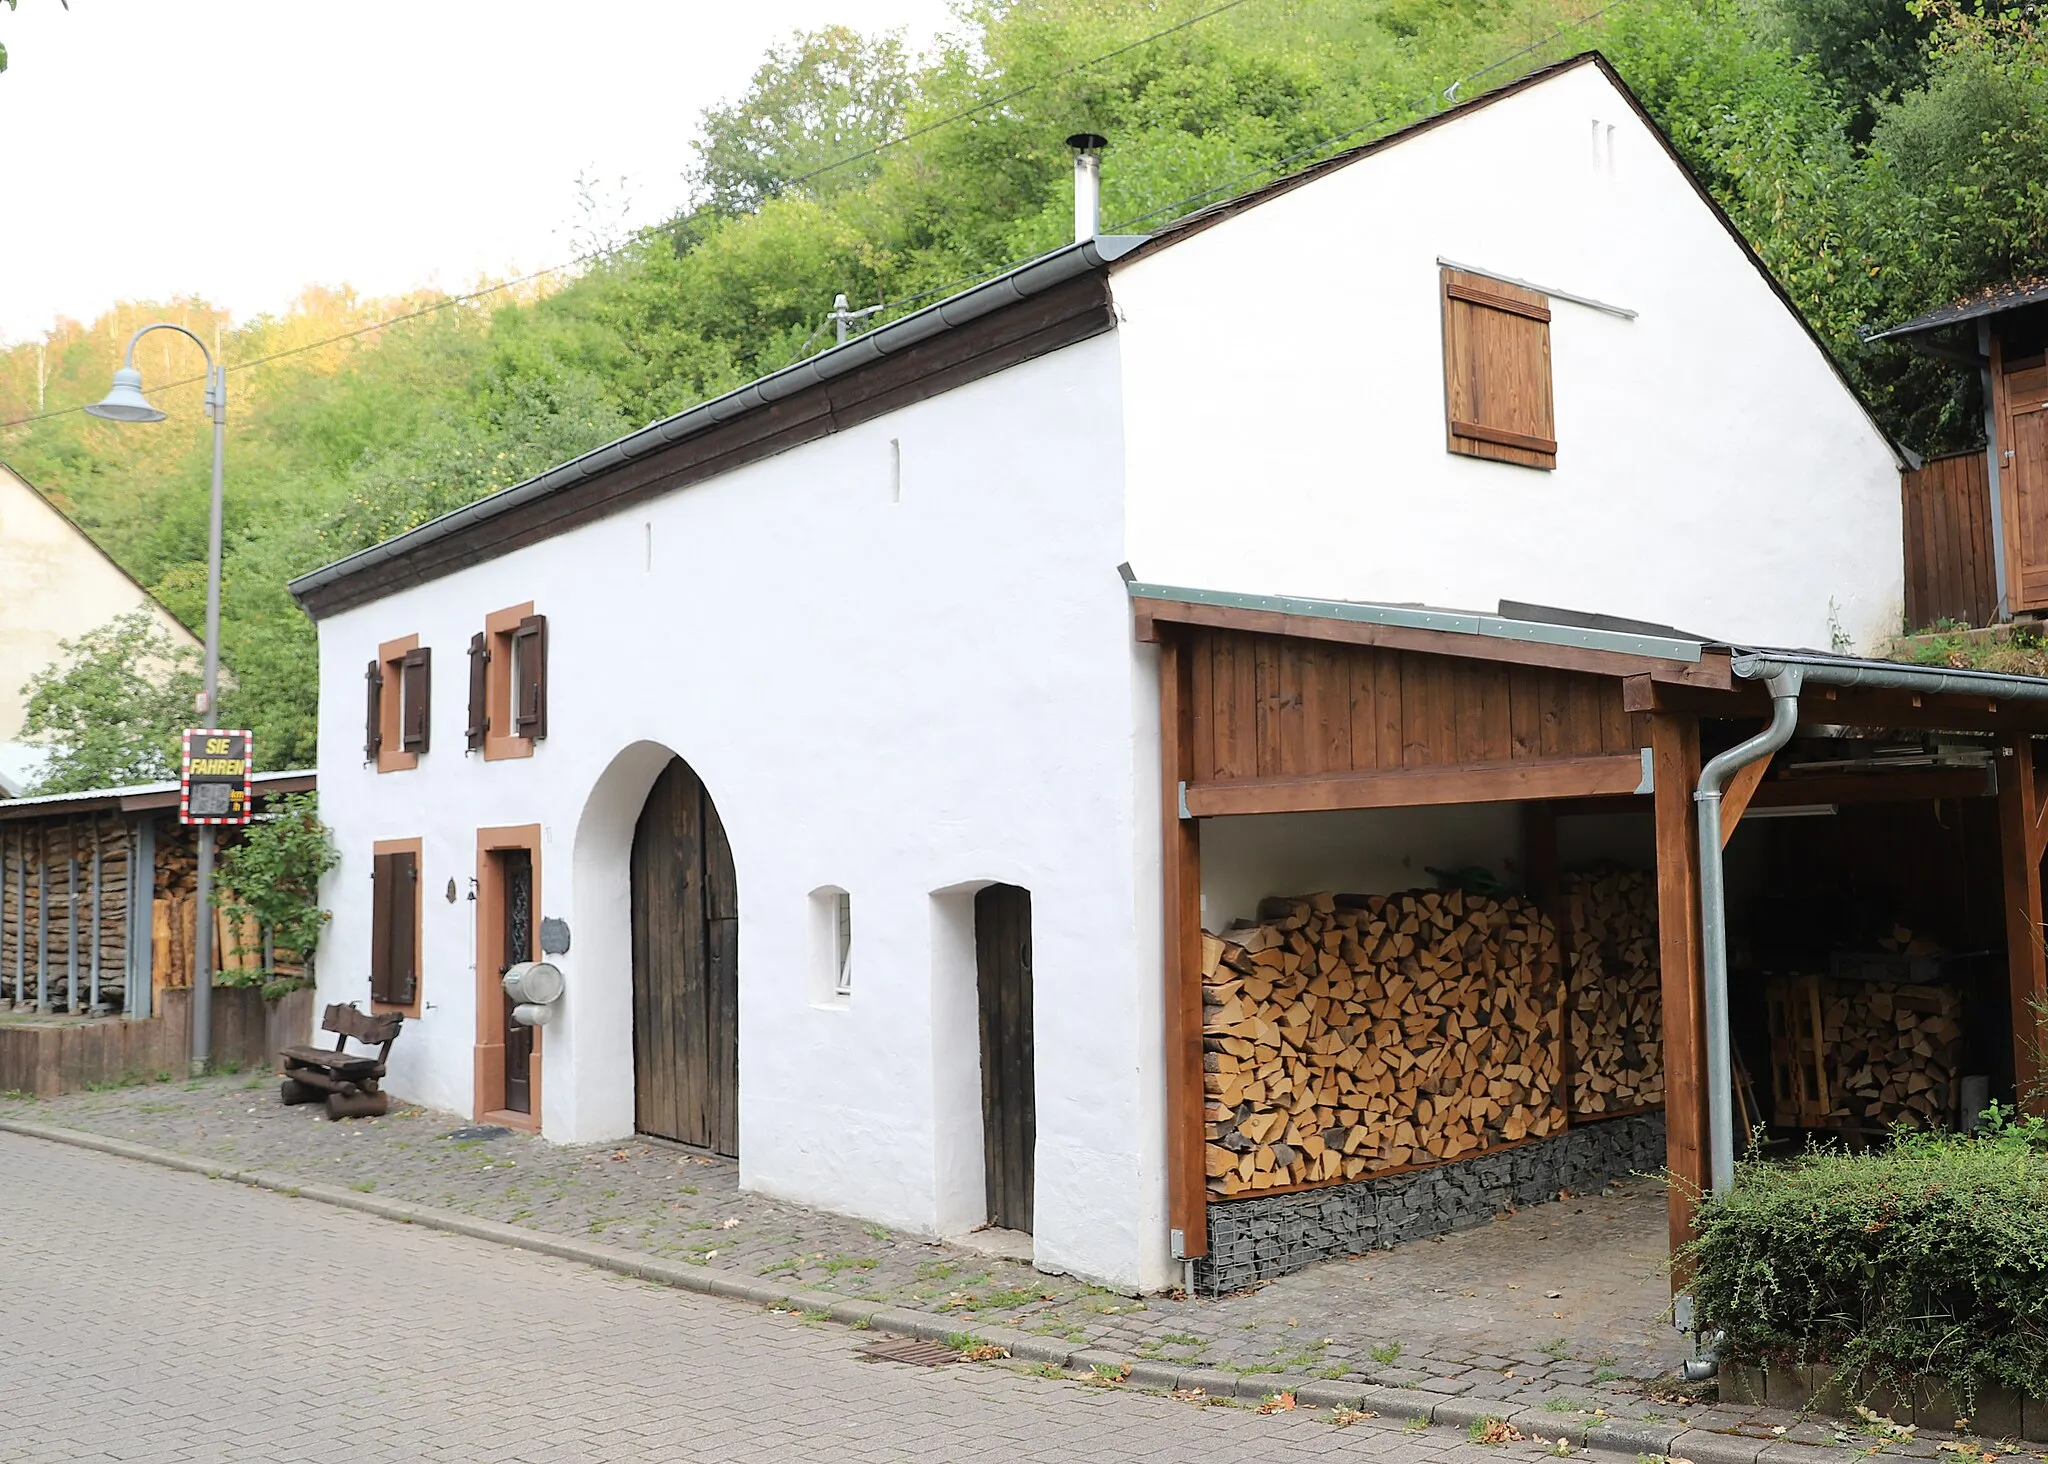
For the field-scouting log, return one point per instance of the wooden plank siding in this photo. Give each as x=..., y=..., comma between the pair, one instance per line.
x=1268, y=706
x=1950, y=573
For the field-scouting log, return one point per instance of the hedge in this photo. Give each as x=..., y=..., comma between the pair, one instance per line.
x=1929, y=1258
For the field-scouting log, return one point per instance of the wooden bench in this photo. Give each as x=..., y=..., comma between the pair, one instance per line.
x=349, y=1079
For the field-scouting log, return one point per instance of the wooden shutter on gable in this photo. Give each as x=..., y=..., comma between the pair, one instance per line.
x=373, y=725
x=530, y=668
x=415, y=698
x=1497, y=395
x=479, y=690
x=394, y=923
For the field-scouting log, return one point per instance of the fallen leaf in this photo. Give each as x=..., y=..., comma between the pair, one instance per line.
x=730, y=1222
x=986, y=1352
x=1278, y=1403
x=1499, y=1431
x=1345, y=1417
x=618, y=1153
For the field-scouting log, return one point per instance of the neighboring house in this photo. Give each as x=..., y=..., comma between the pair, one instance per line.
x=816, y=716
x=55, y=585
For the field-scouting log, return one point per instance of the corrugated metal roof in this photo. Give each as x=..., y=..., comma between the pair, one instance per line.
x=140, y=795
x=1995, y=300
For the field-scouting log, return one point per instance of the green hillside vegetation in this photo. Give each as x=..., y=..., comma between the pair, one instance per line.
x=1882, y=155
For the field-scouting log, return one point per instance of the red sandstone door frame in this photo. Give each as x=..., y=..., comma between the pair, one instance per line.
x=488, y=1102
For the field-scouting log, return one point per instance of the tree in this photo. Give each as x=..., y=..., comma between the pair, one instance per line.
x=272, y=877
x=1869, y=51
x=112, y=715
x=821, y=96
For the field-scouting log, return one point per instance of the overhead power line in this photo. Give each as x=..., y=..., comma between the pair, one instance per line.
x=979, y=109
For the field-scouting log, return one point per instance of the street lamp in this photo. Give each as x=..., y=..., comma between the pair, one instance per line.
x=126, y=403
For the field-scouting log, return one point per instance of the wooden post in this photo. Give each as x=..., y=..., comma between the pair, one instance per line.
x=1180, y=861
x=1675, y=753
x=2021, y=840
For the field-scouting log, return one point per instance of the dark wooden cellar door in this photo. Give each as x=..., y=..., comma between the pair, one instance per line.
x=685, y=968
x=1009, y=1115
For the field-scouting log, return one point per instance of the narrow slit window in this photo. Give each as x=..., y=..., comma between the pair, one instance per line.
x=842, y=980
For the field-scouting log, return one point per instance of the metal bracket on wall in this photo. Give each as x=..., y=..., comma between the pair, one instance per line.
x=1179, y=1241
x=1649, y=783
x=1184, y=799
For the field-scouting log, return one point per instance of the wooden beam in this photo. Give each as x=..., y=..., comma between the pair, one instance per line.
x=1906, y=785
x=1496, y=782
x=1843, y=706
x=1180, y=858
x=2021, y=839
x=1675, y=746
x=1710, y=671
x=1741, y=788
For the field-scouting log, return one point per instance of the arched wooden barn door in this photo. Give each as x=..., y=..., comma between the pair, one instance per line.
x=686, y=987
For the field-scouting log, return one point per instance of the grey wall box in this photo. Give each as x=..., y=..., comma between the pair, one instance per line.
x=554, y=936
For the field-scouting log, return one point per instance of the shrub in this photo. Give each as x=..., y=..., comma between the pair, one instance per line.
x=1929, y=1258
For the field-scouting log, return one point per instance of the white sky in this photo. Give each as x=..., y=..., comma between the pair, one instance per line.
x=384, y=144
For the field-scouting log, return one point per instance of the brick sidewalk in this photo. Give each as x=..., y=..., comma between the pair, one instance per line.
x=1554, y=1309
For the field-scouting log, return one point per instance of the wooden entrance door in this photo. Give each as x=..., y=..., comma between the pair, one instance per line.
x=1009, y=1109
x=515, y=884
x=2026, y=394
x=686, y=983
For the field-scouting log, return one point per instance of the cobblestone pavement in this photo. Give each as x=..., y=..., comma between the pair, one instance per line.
x=162, y=1316
x=1558, y=1307
x=1461, y=1312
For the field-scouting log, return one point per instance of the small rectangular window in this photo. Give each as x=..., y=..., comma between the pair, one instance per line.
x=1497, y=386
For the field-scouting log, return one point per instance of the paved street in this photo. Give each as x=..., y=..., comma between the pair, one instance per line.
x=1558, y=1301
x=151, y=1315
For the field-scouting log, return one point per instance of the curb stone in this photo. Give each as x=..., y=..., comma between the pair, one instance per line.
x=1435, y=1401
x=1716, y=1448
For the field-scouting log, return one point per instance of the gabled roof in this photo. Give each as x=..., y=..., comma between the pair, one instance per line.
x=660, y=458
x=87, y=539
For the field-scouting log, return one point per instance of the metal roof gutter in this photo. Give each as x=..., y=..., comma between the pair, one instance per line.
x=1846, y=671
x=1422, y=617
x=1021, y=283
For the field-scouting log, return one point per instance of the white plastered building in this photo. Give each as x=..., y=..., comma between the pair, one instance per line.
x=817, y=728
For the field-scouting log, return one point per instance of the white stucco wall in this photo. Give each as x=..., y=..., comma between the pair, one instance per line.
x=1285, y=415
x=902, y=699
x=55, y=585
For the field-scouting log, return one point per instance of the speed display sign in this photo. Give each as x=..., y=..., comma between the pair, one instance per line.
x=213, y=786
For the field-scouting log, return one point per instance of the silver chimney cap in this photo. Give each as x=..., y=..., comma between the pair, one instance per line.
x=1087, y=148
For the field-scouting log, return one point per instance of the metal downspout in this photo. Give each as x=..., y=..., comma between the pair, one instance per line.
x=1784, y=689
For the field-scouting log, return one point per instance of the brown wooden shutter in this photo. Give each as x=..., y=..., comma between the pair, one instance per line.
x=415, y=699
x=383, y=886
x=479, y=690
x=373, y=726
x=1497, y=371
x=530, y=666
x=394, y=926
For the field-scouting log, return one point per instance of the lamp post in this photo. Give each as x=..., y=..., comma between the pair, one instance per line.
x=126, y=403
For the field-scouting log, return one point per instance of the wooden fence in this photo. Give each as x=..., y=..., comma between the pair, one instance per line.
x=53, y=1057
x=1950, y=575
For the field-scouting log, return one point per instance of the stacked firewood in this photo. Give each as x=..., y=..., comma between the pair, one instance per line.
x=1887, y=1053
x=1347, y=1035
x=1617, y=998
x=47, y=876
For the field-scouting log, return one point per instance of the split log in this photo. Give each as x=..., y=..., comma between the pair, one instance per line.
x=1884, y=1053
